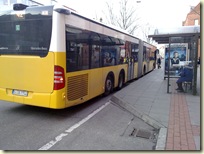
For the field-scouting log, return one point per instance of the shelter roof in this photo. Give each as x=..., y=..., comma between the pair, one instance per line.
x=182, y=34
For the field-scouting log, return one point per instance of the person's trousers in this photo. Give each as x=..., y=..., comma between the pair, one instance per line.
x=180, y=87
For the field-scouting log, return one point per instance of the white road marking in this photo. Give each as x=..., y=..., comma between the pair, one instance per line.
x=66, y=132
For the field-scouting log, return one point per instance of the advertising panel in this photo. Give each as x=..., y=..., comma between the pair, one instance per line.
x=179, y=57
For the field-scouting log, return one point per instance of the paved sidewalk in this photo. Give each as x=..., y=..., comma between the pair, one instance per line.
x=177, y=115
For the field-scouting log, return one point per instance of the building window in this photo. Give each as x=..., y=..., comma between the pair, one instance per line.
x=196, y=22
x=5, y=2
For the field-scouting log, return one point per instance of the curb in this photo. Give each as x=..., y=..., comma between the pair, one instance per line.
x=161, y=141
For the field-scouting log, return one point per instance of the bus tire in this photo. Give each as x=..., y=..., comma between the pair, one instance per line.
x=120, y=81
x=108, y=85
x=154, y=66
x=144, y=70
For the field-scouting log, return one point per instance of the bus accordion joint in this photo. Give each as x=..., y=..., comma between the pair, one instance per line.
x=59, y=78
x=63, y=11
x=19, y=6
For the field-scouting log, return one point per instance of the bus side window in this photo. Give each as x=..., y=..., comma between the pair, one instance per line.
x=85, y=57
x=144, y=53
x=71, y=56
x=135, y=50
x=108, y=55
x=95, y=59
x=77, y=56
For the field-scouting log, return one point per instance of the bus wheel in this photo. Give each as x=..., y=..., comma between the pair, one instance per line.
x=108, y=86
x=144, y=70
x=153, y=66
x=120, y=81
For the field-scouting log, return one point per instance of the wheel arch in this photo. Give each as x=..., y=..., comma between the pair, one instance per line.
x=121, y=79
x=111, y=74
x=122, y=71
x=110, y=78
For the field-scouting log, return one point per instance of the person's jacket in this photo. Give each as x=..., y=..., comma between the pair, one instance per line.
x=186, y=75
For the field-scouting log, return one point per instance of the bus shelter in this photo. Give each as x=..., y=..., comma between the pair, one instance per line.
x=181, y=40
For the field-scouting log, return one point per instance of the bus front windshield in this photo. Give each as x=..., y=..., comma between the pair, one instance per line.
x=25, y=33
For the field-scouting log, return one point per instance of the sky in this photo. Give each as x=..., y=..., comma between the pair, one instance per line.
x=154, y=13
x=158, y=13
x=168, y=13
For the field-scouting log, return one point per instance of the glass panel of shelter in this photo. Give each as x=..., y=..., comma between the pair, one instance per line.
x=182, y=53
x=177, y=57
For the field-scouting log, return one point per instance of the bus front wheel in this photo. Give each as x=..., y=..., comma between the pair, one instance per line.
x=108, y=86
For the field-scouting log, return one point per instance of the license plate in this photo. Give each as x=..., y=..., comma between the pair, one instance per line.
x=20, y=92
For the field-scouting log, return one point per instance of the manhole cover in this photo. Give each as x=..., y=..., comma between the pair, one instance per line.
x=140, y=133
x=143, y=133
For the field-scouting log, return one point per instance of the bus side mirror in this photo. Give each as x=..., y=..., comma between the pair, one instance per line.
x=19, y=6
x=63, y=11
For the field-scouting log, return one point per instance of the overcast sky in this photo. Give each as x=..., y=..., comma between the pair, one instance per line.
x=154, y=13
x=159, y=13
x=168, y=13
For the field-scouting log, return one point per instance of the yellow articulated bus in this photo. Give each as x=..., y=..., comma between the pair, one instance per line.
x=55, y=58
x=149, y=57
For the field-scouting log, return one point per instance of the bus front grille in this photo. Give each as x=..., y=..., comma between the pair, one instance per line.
x=77, y=87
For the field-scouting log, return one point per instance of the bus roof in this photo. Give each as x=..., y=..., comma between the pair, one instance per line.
x=68, y=11
x=112, y=27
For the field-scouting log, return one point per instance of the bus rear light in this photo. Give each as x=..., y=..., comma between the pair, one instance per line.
x=59, y=78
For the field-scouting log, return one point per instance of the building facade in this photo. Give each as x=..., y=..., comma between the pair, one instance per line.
x=193, y=19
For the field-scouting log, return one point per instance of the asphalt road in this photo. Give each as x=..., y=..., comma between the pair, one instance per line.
x=95, y=125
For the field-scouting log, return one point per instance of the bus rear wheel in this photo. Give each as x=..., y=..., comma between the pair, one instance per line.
x=108, y=86
x=144, y=70
x=120, y=81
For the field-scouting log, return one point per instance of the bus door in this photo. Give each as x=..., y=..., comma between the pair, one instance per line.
x=148, y=65
x=130, y=69
x=148, y=59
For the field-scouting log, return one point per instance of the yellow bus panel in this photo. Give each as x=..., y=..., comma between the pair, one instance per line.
x=135, y=70
x=30, y=73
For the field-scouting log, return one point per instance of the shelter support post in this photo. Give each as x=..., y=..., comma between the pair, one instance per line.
x=168, y=83
x=195, y=64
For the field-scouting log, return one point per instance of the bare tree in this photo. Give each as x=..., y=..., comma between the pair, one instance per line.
x=145, y=30
x=109, y=15
x=125, y=17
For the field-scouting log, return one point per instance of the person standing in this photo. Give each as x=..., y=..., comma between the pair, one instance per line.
x=159, y=63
